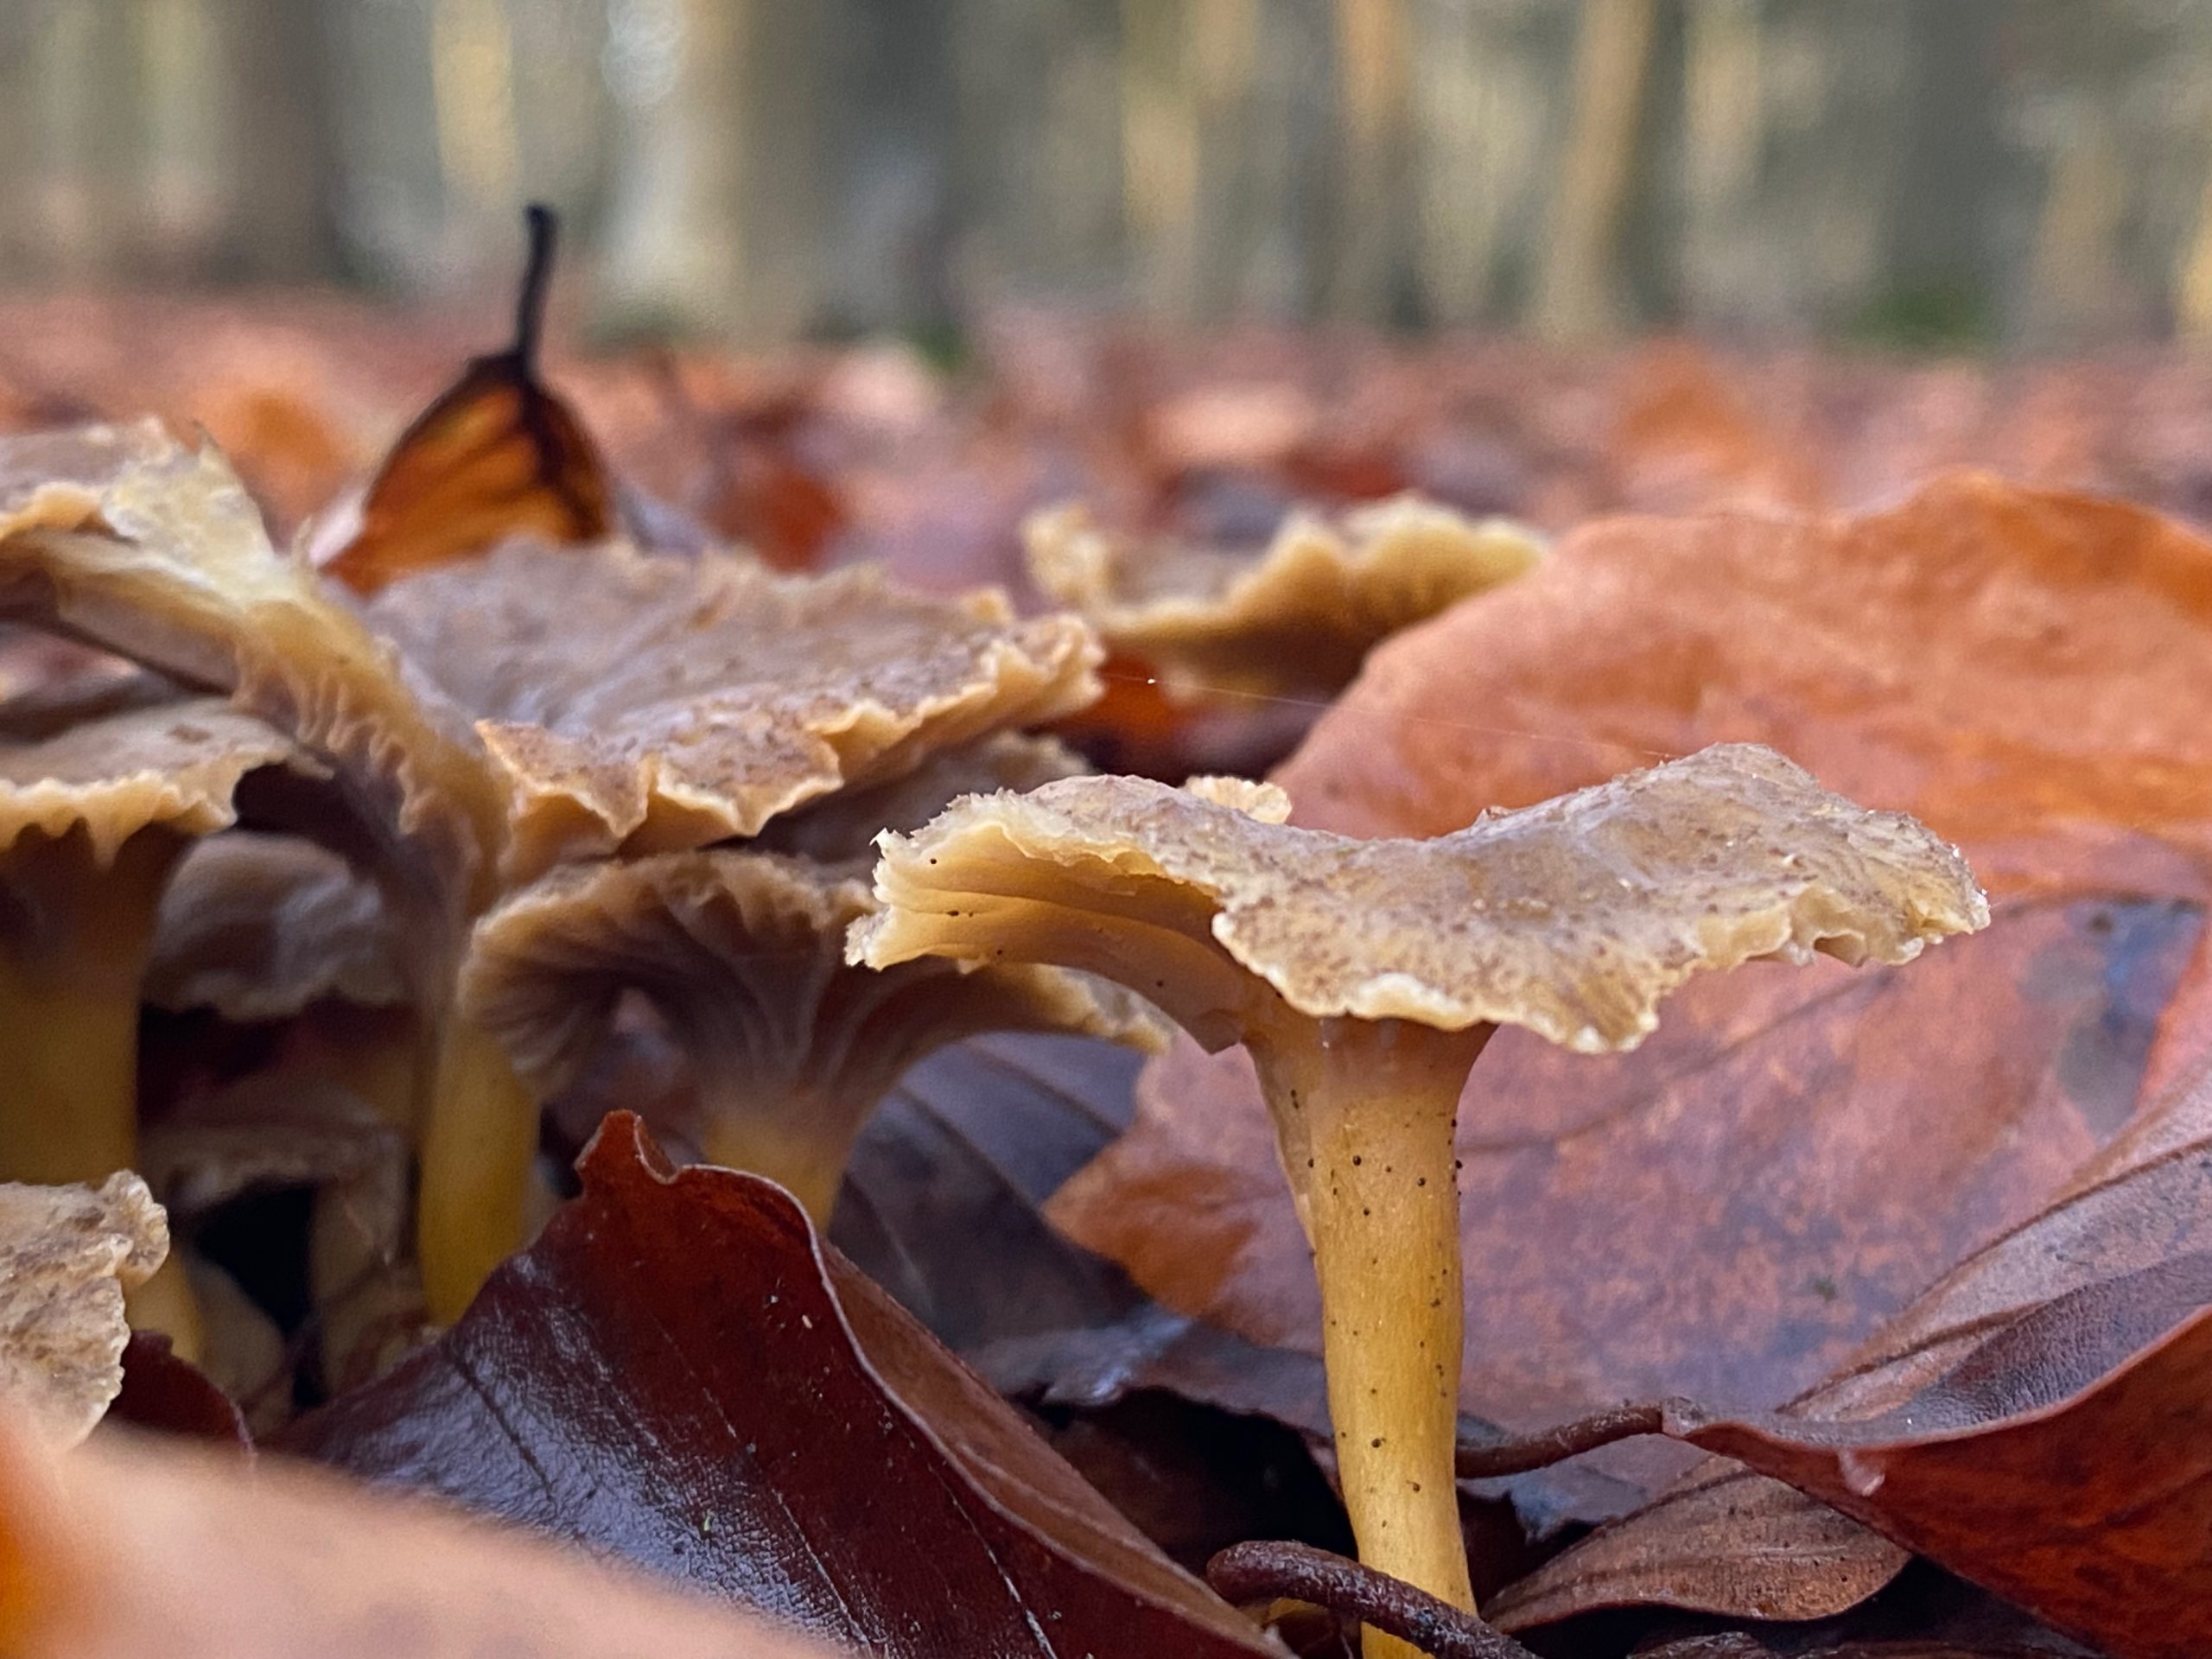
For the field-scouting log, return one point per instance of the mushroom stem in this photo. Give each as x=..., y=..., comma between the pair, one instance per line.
x=479, y=1145
x=801, y=1146
x=75, y=935
x=167, y=1303
x=1365, y=1113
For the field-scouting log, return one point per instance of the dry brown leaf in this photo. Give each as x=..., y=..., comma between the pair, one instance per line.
x=495, y=456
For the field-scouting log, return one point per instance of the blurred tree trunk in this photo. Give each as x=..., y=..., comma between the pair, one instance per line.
x=1370, y=265
x=1580, y=293
x=1484, y=119
x=1724, y=132
x=1941, y=243
x=391, y=195
x=1038, y=154
x=281, y=150
x=717, y=215
x=84, y=146
x=891, y=240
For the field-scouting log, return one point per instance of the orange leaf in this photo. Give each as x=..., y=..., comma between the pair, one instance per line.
x=497, y=455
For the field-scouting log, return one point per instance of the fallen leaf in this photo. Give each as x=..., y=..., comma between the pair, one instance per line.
x=2027, y=1423
x=679, y=1374
x=495, y=456
x=132, y=1547
x=167, y=1392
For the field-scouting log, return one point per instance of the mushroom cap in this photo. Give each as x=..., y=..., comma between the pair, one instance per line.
x=66, y=1256
x=285, y=1125
x=257, y=926
x=1299, y=617
x=842, y=827
x=744, y=953
x=176, y=765
x=640, y=704
x=42, y=668
x=121, y=536
x=1573, y=918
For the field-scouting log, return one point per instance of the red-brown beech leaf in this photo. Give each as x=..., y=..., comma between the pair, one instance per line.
x=2040, y=1421
x=167, y=1394
x=680, y=1373
x=1731, y=1210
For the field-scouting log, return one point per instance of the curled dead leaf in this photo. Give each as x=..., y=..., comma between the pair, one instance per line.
x=495, y=456
x=679, y=1374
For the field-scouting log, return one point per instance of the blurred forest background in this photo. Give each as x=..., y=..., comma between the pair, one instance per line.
x=2012, y=174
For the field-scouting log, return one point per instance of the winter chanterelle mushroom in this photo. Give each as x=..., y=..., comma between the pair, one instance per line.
x=1366, y=978
x=1296, y=620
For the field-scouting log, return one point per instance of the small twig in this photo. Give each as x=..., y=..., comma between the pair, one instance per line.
x=537, y=278
x=1263, y=1571
x=1479, y=1461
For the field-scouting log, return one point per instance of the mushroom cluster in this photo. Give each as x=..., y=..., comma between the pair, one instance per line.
x=439, y=838
x=512, y=792
x=1295, y=619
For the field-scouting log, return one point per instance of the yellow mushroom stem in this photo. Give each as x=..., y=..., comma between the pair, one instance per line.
x=1365, y=1113
x=376, y=1054
x=479, y=1145
x=74, y=936
x=803, y=1145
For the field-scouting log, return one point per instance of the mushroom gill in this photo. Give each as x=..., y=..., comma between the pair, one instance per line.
x=257, y=927
x=1366, y=978
x=1295, y=619
x=741, y=954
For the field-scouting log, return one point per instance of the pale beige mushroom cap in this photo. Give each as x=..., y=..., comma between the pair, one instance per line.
x=121, y=536
x=1573, y=918
x=66, y=1256
x=639, y=704
x=176, y=765
x=256, y=927
x=1297, y=618
x=743, y=952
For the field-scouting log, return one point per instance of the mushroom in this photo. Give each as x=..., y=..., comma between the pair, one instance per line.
x=119, y=535
x=1364, y=977
x=741, y=954
x=92, y=821
x=257, y=927
x=1296, y=620
x=484, y=721
x=635, y=704
x=67, y=1254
